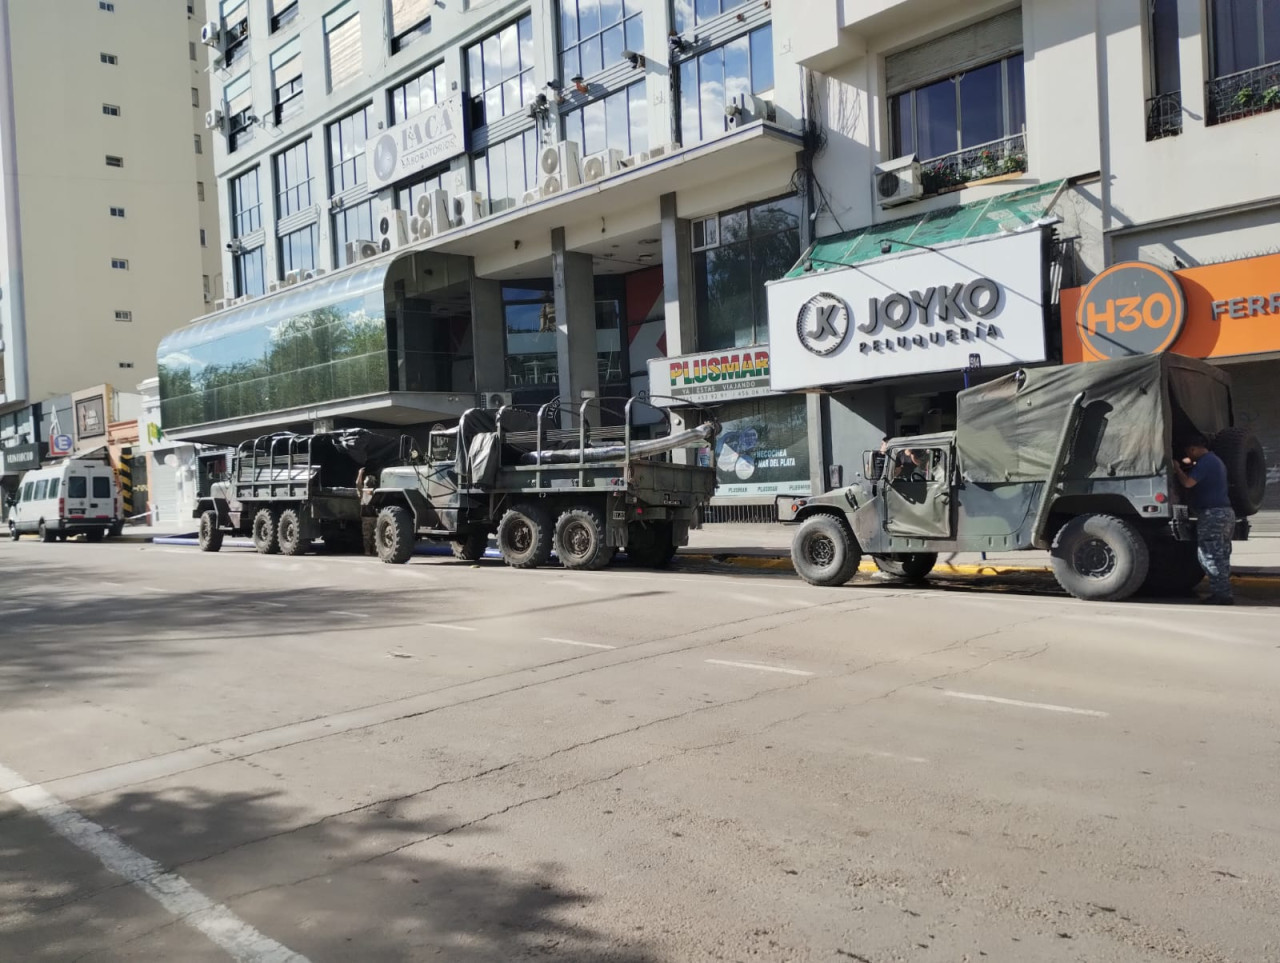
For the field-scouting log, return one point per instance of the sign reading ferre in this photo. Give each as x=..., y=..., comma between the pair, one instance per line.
x=1130, y=309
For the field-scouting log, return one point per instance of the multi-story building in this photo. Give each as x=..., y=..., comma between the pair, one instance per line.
x=101, y=134
x=561, y=198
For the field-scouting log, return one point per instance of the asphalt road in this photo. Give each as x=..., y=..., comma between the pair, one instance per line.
x=208, y=757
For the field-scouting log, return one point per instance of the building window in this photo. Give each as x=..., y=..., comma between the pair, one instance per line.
x=293, y=180
x=346, y=150
x=240, y=119
x=713, y=80
x=117, y=212
x=124, y=315
x=124, y=364
x=750, y=246
x=500, y=72
x=107, y=58
x=114, y=161
x=191, y=49
x=246, y=206
x=1164, y=106
x=204, y=238
x=119, y=264
x=410, y=21
x=286, y=80
x=619, y=121
x=199, y=144
x=208, y=290
x=199, y=190
x=111, y=110
x=593, y=35
x=688, y=13
x=250, y=280
x=1244, y=58
x=416, y=95
x=353, y=223
x=407, y=197
x=342, y=48
x=235, y=30
x=529, y=315
x=285, y=16
x=506, y=170
x=106, y=6
x=195, y=96
x=298, y=250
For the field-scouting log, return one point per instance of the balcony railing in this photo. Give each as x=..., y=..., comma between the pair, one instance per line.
x=1243, y=94
x=952, y=171
x=1164, y=115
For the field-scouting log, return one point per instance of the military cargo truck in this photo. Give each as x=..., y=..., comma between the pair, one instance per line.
x=583, y=492
x=1075, y=459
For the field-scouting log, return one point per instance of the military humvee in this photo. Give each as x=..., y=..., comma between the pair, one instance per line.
x=1074, y=459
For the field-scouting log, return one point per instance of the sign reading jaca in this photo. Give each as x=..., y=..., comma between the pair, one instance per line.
x=424, y=140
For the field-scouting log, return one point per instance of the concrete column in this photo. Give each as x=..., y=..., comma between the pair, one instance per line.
x=677, y=280
x=575, y=300
x=488, y=335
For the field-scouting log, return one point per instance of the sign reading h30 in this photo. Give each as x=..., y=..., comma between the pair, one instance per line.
x=1130, y=309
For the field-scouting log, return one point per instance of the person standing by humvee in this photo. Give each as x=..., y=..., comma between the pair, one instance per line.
x=1206, y=487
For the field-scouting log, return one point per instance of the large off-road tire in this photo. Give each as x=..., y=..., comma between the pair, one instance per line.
x=525, y=536
x=1173, y=571
x=1101, y=558
x=650, y=544
x=13, y=531
x=824, y=551
x=395, y=535
x=210, y=536
x=94, y=534
x=472, y=547
x=580, y=539
x=912, y=566
x=265, y=531
x=1246, y=464
x=289, y=533
x=46, y=534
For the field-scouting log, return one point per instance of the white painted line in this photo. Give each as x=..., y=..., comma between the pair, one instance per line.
x=19, y=611
x=757, y=665
x=241, y=941
x=1048, y=707
x=274, y=605
x=350, y=615
x=881, y=754
x=585, y=645
x=452, y=628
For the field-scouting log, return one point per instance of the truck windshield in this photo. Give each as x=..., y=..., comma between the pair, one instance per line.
x=76, y=487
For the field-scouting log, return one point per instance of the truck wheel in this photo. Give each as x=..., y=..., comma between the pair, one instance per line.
x=13, y=531
x=912, y=566
x=471, y=548
x=580, y=540
x=1100, y=558
x=46, y=534
x=650, y=544
x=1246, y=464
x=524, y=536
x=1174, y=569
x=394, y=534
x=210, y=538
x=264, y=531
x=824, y=551
x=289, y=533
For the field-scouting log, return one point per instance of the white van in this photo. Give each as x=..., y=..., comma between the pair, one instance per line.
x=75, y=497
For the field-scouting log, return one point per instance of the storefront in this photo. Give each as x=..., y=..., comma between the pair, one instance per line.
x=1227, y=313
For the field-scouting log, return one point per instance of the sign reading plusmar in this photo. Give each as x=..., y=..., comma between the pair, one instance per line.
x=714, y=375
x=1132, y=308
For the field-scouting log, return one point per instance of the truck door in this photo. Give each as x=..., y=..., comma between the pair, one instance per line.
x=77, y=493
x=917, y=497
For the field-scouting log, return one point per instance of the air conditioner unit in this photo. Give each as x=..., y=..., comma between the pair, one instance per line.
x=662, y=150
x=602, y=165
x=292, y=278
x=211, y=34
x=337, y=202
x=220, y=304
x=312, y=274
x=468, y=207
x=559, y=167
x=393, y=230
x=213, y=119
x=898, y=181
x=361, y=250
x=493, y=400
x=458, y=182
x=431, y=215
x=747, y=109
x=528, y=197
x=273, y=287
x=635, y=160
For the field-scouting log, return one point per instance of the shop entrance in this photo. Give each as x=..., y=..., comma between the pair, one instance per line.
x=430, y=342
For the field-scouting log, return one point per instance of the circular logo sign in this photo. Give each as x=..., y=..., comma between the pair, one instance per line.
x=385, y=156
x=823, y=323
x=1130, y=309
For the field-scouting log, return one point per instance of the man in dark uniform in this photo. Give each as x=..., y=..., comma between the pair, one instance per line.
x=1206, y=485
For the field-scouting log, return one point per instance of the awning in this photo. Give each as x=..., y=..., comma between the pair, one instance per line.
x=948, y=225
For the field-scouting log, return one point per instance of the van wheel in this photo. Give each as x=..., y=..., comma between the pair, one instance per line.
x=471, y=548
x=580, y=539
x=824, y=551
x=394, y=534
x=45, y=534
x=13, y=531
x=912, y=566
x=289, y=533
x=210, y=538
x=94, y=534
x=1100, y=558
x=524, y=536
x=264, y=531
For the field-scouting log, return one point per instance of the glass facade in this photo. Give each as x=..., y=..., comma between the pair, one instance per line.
x=506, y=170
x=529, y=311
x=346, y=151
x=246, y=205
x=500, y=72
x=690, y=13
x=298, y=250
x=352, y=223
x=620, y=120
x=293, y=180
x=407, y=197
x=593, y=34
x=324, y=342
x=250, y=279
x=711, y=81
x=417, y=94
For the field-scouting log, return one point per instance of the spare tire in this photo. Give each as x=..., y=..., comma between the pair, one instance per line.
x=1246, y=464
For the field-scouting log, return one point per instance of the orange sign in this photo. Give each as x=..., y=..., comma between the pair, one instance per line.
x=1217, y=311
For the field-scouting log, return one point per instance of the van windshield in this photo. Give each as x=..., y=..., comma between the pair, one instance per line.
x=76, y=487
x=101, y=487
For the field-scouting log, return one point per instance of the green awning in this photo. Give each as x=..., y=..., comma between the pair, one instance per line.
x=945, y=226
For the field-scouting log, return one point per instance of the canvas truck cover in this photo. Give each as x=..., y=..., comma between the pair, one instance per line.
x=1008, y=429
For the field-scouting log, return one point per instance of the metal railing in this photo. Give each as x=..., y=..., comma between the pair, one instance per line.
x=1243, y=94
x=1005, y=156
x=1164, y=115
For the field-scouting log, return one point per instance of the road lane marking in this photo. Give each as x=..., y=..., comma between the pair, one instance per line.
x=585, y=645
x=274, y=605
x=1048, y=707
x=449, y=626
x=757, y=665
x=350, y=615
x=881, y=754
x=188, y=904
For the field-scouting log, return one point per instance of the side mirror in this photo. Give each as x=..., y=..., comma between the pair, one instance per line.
x=873, y=465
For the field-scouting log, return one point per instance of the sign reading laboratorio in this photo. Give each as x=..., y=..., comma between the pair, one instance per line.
x=729, y=375
x=431, y=137
x=920, y=312
x=1222, y=310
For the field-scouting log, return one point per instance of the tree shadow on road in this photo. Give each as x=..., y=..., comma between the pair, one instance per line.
x=372, y=885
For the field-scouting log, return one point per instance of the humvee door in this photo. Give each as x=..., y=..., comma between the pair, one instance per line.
x=917, y=493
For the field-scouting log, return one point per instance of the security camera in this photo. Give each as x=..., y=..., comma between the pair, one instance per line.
x=635, y=59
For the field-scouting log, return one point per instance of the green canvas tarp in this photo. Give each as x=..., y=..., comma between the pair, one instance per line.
x=1008, y=429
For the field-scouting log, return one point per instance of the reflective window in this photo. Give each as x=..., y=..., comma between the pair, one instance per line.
x=353, y=223
x=500, y=72
x=593, y=34
x=250, y=275
x=42, y=489
x=980, y=106
x=689, y=13
x=713, y=80
x=346, y=150
x=101, y=486
x=506, y=170
x=54, y=484
x=1245, y=34
x=407, y=197
x=298, y=250
x=529, y=310
x=342, y=49
x=416, y=95
x=246, y=207
x=293, y=180
x=77, y=487
x=620, y=120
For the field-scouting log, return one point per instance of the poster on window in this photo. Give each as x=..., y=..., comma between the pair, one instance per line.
x=762, y=448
